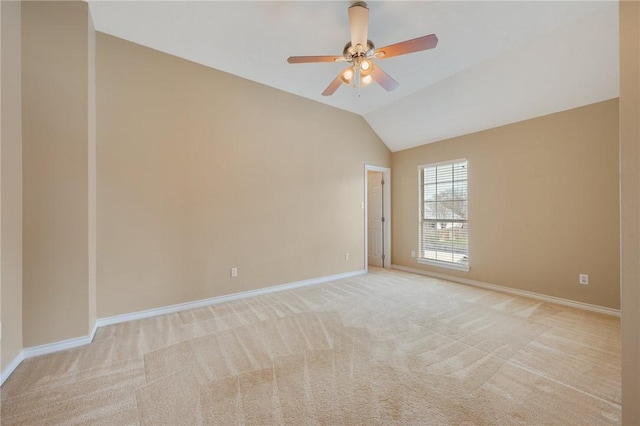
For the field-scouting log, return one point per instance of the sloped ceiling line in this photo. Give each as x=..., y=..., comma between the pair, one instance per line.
x=496, y=63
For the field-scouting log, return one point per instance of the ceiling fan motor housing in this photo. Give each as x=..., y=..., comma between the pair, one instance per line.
x=350, y=53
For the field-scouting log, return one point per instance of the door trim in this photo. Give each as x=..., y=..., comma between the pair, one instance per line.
x=386, y=227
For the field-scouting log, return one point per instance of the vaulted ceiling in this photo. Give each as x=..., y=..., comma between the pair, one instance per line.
x=497, y=62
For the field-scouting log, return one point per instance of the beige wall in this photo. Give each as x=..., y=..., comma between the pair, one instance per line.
x=11, y=188
x=55, y=82
x=543, y=204
x=630, y=197
x=200, y=171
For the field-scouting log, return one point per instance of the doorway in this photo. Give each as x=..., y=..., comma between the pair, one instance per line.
x=377, y=217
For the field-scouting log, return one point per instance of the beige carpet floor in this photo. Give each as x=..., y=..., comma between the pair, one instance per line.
x=386, y=348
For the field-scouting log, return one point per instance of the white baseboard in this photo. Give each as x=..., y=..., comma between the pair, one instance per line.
x=220, y=299
x=11, y=367
x=502, y=289
x=56, y=346
x=100, y=322
x=93, y=331
x=48, y=348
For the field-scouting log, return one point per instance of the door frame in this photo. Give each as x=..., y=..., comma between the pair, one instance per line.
x=386, y=226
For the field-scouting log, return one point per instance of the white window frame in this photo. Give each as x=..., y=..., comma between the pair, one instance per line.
x=433, y=262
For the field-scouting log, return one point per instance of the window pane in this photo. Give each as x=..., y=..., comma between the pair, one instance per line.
x=445, y=210
x=444, y=232
x=460, y=189
x=430, y=192
x=460, y=171
x=461, y=238
x=430, y=210
x=445, y=191
x=444, y=256
x=445, y=173
x=459, y=209
x=430, y=175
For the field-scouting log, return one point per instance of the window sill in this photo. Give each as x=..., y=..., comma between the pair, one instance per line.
x=447, y=265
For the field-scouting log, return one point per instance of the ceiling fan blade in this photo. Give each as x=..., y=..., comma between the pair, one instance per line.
x=415, y=45
x=309, y=59
x=359, y=24
x=330, y=90
x=383, y=79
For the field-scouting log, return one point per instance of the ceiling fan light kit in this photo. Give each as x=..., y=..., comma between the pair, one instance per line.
x=347, y=75
x=360, y=52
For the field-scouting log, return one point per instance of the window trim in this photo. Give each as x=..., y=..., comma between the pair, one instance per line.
x=433, y=262
x=443, y=264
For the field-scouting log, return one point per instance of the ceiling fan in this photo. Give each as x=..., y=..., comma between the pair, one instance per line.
x=360, y=53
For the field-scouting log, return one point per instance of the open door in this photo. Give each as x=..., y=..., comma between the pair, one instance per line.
x=375, y=219
x=377, y=213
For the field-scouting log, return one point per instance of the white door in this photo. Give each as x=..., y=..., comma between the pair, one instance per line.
x=374, y=218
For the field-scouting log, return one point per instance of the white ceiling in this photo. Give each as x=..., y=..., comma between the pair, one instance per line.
x=496, y=62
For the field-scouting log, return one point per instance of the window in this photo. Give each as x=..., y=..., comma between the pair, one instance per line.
x=444, y=227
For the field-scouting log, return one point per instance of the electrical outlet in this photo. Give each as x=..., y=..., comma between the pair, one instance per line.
x=413, y=253
x=584, y=279
x=234, y=272
x=346, y=256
